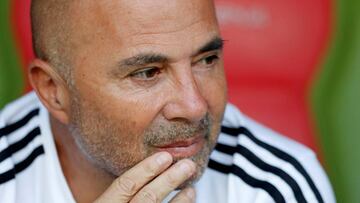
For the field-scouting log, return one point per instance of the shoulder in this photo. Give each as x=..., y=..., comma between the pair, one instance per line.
x=18, y=114
x=19, y=141
x=263, y=159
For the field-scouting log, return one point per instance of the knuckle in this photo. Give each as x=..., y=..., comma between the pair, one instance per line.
x=148, y=195
x=126, y=185
x=151, y=168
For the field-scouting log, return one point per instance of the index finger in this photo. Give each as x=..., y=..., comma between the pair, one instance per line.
x=128, y=184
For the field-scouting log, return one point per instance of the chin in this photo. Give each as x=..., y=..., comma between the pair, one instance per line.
x=201, y=159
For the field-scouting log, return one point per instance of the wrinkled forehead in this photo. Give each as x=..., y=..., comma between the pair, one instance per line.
x=135, y=17
x=142, y=14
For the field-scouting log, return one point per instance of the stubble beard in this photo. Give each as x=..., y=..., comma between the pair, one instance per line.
x=181, y=130
x=100, y=142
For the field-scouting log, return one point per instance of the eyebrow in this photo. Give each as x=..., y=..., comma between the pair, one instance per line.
x=143, y=59
x=217, y=43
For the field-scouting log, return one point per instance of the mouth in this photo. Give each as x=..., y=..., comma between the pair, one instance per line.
x=184, y=148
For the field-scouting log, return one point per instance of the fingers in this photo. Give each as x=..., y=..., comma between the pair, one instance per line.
x=129, y=183
x=187, y=195
x=165, y=183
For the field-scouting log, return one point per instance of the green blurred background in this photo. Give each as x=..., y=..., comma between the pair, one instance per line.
x=11, y=77
x=336, y=99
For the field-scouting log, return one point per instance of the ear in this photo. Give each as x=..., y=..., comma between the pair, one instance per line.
x=51, y=89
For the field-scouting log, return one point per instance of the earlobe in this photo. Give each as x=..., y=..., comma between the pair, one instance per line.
x=50, y=88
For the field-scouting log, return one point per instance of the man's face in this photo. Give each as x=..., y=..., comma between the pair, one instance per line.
x=148, y=76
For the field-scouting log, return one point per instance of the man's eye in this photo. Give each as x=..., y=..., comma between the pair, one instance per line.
x=146, y=74
x=210, y=60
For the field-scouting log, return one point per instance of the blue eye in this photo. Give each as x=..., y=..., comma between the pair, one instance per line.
x=146, y=74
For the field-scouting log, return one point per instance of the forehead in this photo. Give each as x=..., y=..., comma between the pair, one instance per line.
x=136, y=23
x=156, y=15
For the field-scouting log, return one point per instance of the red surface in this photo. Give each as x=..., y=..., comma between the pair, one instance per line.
x=22, y=31
x=273, y=50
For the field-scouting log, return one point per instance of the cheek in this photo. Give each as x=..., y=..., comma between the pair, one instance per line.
x=134, y=115
x=127, y=109
x=110, y=139
x=213, y=89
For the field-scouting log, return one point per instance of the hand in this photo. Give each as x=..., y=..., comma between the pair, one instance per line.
x=151, y=181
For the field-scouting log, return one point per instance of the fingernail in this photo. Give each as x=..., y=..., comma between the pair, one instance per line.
x=163, y=158
x=190, y=193
x=185, y=167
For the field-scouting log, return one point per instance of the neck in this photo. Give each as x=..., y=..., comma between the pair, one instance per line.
x=86, y=181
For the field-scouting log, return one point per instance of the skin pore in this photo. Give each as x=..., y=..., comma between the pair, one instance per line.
x=143, y=74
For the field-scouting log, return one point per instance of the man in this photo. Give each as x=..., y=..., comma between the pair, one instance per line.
x=130, y=100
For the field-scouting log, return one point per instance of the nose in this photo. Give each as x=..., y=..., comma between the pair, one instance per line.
x=187, y=102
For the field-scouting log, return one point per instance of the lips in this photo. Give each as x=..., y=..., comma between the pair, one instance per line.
x=183, y=148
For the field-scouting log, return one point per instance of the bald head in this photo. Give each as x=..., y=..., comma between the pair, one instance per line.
x=62, y=27
x=51, y=29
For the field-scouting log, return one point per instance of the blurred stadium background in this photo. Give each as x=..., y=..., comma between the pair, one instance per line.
x=292, y=65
